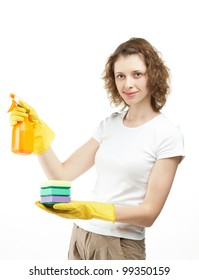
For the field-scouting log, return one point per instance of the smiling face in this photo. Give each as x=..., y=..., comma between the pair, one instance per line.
x=131, y=80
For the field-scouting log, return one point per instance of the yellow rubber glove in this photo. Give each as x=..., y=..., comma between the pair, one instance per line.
x=43, y=135
x=85, y=210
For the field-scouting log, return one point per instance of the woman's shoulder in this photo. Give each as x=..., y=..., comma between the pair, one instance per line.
x=166, y=121
x=168, y=127
x=111, y=119
x=116, y=115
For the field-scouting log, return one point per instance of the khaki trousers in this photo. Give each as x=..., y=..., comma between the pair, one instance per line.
x=86, y=245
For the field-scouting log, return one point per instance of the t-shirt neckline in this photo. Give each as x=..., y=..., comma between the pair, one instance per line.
x=139, y=126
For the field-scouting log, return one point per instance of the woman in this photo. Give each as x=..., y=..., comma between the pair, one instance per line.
x=136, y=153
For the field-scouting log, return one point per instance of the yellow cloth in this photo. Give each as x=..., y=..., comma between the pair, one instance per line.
x=43, y=135
x=81, y=210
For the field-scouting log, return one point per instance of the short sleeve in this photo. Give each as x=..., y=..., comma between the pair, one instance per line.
x=98, y=132
x=101, y=131
x=171, y=144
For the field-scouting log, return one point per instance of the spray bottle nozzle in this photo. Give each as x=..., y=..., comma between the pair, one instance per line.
x=14, y=101
x=12, y=95
x=13, y=104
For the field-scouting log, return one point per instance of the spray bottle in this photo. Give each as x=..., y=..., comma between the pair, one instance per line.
x=22, y=133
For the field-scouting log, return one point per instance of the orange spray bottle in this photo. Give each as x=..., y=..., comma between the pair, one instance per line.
x=22, y=133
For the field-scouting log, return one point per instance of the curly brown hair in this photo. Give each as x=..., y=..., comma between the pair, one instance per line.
x=157, y=72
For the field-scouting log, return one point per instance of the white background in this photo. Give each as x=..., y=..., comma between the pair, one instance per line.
x=52, y=54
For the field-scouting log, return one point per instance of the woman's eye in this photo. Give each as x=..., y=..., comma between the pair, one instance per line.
x=137, y=75
x=120, y=76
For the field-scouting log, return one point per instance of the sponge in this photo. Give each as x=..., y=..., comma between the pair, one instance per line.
x=55, y=191
x=52, y=199
x=45, y=191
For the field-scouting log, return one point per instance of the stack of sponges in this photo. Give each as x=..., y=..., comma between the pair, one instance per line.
x=54, y=191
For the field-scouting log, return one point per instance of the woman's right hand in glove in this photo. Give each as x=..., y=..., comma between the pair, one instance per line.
x=43, y=135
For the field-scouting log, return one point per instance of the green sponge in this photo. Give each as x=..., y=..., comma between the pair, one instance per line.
x=55, y=191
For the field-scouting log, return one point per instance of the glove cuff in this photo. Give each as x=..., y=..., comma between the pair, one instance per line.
x=43, y=137
x=103, y=211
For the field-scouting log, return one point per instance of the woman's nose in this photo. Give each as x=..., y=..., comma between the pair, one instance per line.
x=129, y=82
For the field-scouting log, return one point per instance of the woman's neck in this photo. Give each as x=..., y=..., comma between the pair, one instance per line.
x=136, y=117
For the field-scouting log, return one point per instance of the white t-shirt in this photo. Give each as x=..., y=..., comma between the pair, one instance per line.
x=123, y=164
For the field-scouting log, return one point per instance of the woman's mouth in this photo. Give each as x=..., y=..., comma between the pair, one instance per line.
x=130, y=94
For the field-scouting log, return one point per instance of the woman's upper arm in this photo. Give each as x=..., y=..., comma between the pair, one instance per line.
x=159, y=185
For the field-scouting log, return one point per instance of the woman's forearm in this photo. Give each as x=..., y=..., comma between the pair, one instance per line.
x=52, y=166
x=141, y=215
x=78, y=163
